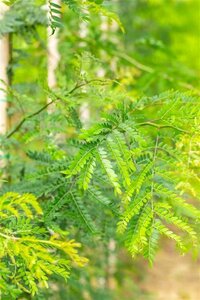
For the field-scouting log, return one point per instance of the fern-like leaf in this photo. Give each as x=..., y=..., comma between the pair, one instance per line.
x=107, y=166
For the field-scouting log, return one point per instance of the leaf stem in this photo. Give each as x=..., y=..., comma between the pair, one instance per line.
x=149, y=123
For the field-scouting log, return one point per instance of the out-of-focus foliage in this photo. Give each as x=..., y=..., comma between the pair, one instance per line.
x=23, y=18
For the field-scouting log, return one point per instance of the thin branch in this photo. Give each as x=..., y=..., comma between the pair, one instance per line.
x=150, y=70
x=161, y=149
x=30, y=116
x=148, y=123
x=19, y=125
x=78, y=86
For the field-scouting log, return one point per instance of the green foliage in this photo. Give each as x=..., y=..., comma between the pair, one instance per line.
x=131, y=177
x=30, y=253
x=83, y=9
x=142, y=172
x=23, y=17
x=55, y=12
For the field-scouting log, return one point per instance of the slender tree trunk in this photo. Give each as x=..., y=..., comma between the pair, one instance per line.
x=53, y=56
x=4, y=81
x=84, y=112
x=111, y=265
x=4, y=60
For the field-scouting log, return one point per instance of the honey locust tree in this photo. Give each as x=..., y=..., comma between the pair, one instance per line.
x=131, y=176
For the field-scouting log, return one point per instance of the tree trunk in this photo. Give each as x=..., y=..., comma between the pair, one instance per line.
x=84, y=111
x=4, y=81
x=53, y=56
